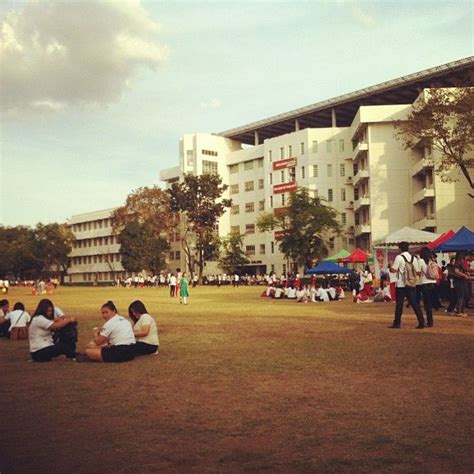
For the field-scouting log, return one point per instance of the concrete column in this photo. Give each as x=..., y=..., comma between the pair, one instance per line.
x=256, y=138
x=297, y=125
x=333, y=118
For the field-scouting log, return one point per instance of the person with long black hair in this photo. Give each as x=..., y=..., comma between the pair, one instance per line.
x=428, y=283
x=145, y=329
x=40, y=334
x=115, y=341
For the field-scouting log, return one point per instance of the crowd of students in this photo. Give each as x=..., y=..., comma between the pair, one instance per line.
x=51, y=333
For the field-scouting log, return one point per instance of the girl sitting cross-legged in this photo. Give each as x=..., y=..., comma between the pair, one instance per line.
x=145, y=329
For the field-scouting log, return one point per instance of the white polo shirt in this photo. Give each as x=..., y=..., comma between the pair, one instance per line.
x=18, y=318
x=119, y=332
x=39, y=333
x=152, y=338
x=399, y=264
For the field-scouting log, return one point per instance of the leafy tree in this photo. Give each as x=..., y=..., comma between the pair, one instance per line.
x=198, y=201
x=233, y=256
x=141, y=249
x=444, y=121
x=304, y=226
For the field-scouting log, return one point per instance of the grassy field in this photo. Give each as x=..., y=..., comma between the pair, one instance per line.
x=245, y=384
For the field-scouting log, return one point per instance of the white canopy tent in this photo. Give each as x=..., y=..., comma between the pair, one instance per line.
x=406, y=234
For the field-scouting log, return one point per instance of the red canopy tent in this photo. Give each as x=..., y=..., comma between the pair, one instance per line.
x=357, y=256
x=442, y=238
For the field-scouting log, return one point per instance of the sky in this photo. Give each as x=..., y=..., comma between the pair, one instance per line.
x=96, y=94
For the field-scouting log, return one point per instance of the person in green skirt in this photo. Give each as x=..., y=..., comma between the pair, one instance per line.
x=183, y=292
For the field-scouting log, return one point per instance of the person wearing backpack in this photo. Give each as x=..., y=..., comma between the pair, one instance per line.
x=406, y=267
x=429, y=278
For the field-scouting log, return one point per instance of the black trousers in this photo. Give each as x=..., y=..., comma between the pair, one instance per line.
x=410, y=294
x=427, y=292
x=142, y=348
x=452, y=300
x=48, y=353
x=172, y=290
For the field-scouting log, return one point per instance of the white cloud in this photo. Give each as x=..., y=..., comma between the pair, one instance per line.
x=212, y=104
x=54, y=55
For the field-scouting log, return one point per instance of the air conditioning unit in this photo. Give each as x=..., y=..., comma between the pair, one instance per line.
x=349, y=178
x=351, y=203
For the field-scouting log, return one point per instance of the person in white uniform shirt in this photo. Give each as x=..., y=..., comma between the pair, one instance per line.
x=427, y=284
x=145, y=329
x=115, y=341
x=42, y=346
x=19, y=320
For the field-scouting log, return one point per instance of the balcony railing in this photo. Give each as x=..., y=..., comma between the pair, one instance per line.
x=359, y=150
x=422, y=166
x=423, y=194
x=362, y=229
x=362, y=202
x=425, y=223
x=360, y=176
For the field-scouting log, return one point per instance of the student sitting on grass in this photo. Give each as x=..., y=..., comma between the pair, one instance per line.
x=115, y=341
x=145, y=330
x=19, y=320
x=40, y=333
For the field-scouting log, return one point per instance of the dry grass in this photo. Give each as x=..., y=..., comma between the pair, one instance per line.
x=245, y=384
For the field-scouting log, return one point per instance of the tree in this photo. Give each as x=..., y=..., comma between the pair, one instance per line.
x=233, y=256
x=141, y=249
x=444, y=121
x=304, y=225
x=53, y=244
x=198, y=201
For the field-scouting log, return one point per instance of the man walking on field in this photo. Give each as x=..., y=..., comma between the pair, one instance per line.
x=406, y=267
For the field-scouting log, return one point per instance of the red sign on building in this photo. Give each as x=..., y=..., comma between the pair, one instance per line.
x=279, y=234
x=285, y=187
x=281, y=164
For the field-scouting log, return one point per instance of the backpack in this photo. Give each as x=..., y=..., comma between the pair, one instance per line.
x=410, y=273
x=432, y=272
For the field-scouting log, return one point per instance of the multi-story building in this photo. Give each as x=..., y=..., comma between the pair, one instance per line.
x=95, y=255
x=345, y=150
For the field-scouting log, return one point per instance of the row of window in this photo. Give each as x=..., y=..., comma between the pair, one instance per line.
x=248, y=165
x=95, y=242
x=329, y=170
x=105, y=258
x=330, y=147
x=175, y=255
x=208, y=152
x=248, y=186
x=104, y=276
x=249, y=207
x=249, y=229
x=98, y=224
x=209, y=167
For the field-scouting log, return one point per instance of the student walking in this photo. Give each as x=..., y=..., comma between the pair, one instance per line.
x=407, y=269
x=429, y=274
x=183, y=289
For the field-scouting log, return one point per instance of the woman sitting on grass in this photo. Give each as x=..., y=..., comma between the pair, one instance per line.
x=42, y=346
x=115, y=341
x=145, y=329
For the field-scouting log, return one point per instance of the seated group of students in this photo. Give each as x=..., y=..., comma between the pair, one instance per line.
x=51, y=333
x=305, y=294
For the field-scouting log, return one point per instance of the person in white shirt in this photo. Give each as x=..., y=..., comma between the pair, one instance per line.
x=322, y=294
x=42, y=346
x=172, y=285
x=405, y=288
x=278, y=292
x=291, y=292
x=145, y=329
x=115, y=341
x=19, y=320
x=427, y=284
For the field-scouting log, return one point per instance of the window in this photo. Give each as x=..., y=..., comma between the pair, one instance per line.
x=95, y=258
x=100, y=224
x=250, y=249
x=250, y=228
x=355, y=169
x=249, y=186
x=235, y=209
x=343, y=218
x=95, y=224
x=234, y=189
x=302, y=172
x=248, y=165
x=209, y=167
x=260, y=162
x=315, y=171
x=270, y=178
x=262, y=249
x=356, y=194
x=235, y=229
x=209, y=152
x=282, y=153
x=341, y=145
x=283, y=199
x=270, y=159
x=302, y=148
x=234, y=168
x=315, y=193
x=329, y=146
x=343, y=194
x=282, y=176
x=315, y=146
x=344, y=241
x=261, y=205
x=271, y=201
x=351, y=241
x=272, y=247
x=330, y=195
x=249, y=207
x=260, y=184
x=190, y=157
x=290, y=151
x=178, y=254
x=106, y=240
x=342, y=170
x=329, y=171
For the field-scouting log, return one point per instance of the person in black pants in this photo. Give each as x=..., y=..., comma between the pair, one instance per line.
x=405, y=286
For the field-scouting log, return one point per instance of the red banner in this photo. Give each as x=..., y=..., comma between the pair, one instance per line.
x=279, y=234
x=281, y=164
x=285, y=187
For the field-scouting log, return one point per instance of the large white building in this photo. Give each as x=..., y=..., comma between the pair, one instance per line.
x=344, y=150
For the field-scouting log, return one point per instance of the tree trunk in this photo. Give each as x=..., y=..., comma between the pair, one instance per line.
x=200, y=265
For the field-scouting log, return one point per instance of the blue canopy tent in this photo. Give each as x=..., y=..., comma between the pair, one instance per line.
x=328, y=268
x=462, y=240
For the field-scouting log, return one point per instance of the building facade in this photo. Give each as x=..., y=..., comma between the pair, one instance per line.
x=344, y=150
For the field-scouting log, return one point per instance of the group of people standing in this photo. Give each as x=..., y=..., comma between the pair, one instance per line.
x=51, y=333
